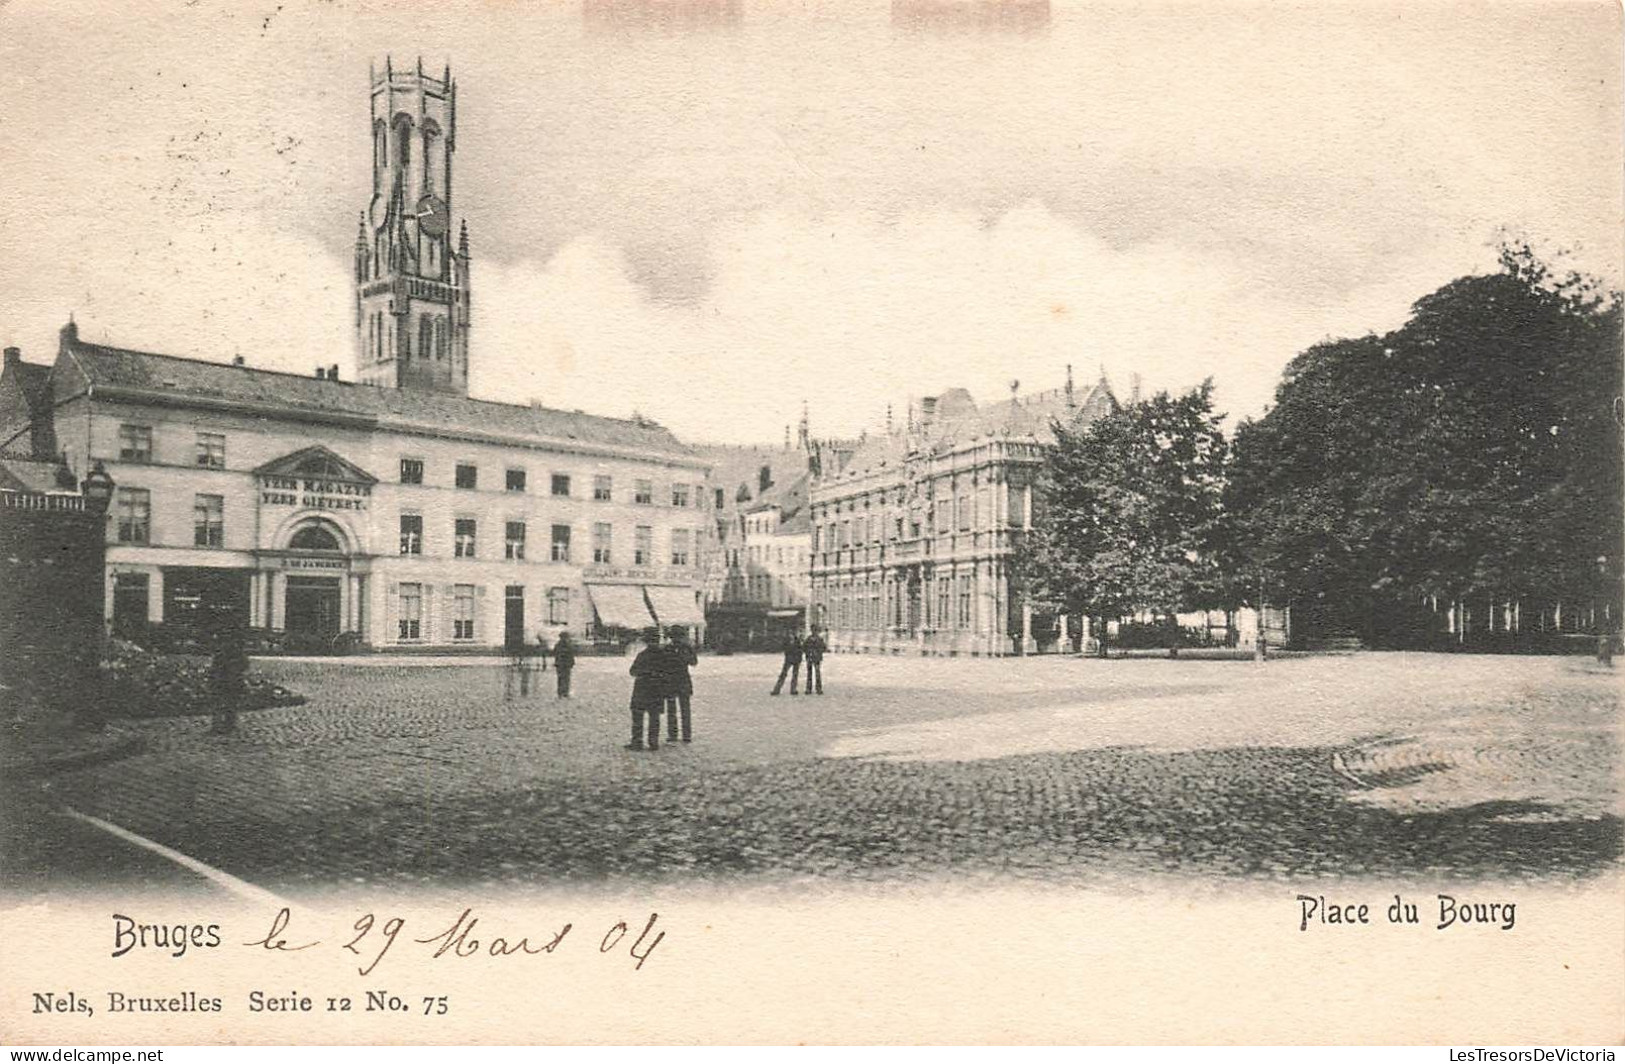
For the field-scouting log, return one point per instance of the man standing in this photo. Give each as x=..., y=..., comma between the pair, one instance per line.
x=680, y=658
x=650, y=674
x=564, y=661
x=814, y=649
x=228, y=670
x=792, y=663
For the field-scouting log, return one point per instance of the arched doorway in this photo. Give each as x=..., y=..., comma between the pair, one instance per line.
x=313, y=615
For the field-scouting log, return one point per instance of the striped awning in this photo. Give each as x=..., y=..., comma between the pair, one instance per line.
x=675, y=605
x=620, y=605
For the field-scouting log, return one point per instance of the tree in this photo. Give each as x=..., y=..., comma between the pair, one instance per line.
x=1471, y=452
x=1131, y=507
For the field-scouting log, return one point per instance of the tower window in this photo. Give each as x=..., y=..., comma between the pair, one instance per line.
x=403, y=140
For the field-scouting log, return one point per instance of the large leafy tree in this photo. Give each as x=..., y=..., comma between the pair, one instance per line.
x=1130, y=505
x=1473, y=452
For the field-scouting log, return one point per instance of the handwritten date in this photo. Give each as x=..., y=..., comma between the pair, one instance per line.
x=373, y=940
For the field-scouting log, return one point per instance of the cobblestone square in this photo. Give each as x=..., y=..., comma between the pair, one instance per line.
x=413, y=774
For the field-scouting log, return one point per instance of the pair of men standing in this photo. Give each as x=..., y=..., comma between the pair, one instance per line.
x=661, y=681
x=795, y=650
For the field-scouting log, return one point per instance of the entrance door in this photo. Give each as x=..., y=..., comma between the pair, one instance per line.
x=312, y=613
x=514, y=617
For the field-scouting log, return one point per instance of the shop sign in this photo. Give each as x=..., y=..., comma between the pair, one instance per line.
x=313, y=494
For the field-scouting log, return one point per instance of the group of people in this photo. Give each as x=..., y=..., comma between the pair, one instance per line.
x=661, y=682
x=523, y=660
x=796, y=649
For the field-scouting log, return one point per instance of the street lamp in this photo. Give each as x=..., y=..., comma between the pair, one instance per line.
x=98, y=488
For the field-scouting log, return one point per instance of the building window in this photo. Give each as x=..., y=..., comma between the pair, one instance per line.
x=643, y=492
x=679, y=494
x=558, y=605
x=721, y=498
x=603, y=536
x=643, y=545
x=468, y=476
x=963, y=505
x=411, y=616
x=603, y=488
x=209, y=521
x=679, y=546
x=561, y=484
x=516, y=541
x=561, y=543
x=464, y=529
x=964, y=601
x=134, y=515
x=411, y=533
x=516, y=480
x=411, y=471
x=211, y=450
x=462, y=622
x=135, y=443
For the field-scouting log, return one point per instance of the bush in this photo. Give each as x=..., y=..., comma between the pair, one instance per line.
x=138, y=682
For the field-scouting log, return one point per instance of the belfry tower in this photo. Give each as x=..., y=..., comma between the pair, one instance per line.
x=411, y=284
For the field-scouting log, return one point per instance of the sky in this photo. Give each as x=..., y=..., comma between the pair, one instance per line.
x=713, y=211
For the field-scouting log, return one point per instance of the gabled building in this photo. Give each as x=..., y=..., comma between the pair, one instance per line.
x=336, y=512
x=912, y=536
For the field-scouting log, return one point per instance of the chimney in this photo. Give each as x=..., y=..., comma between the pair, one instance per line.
x=928, y=411
x=14, y=355
x=321, y=373
x=1071, y=401
x=333, y=372
x=237, y=360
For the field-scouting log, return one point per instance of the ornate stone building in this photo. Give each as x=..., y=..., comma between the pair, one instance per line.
x=912, y=537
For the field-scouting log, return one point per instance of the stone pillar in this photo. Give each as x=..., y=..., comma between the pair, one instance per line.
x=1026, y=628
x=155, y=596
x=1065, y=636
x=279, y=600
x=254, y=599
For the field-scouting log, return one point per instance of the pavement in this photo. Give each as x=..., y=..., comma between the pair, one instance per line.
x=410, y=774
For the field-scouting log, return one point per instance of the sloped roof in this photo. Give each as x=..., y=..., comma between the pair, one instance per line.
x=26, y=474
x=957, y=419
x=790, y=498
x=35, y=380
x=732, y=466
x=182, y=378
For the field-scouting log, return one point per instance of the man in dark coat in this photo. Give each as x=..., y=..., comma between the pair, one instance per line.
x=814, y=648
x=564, y=662
x=650, y=676
x=792, y=663
x=680, y=658
x=227, y=670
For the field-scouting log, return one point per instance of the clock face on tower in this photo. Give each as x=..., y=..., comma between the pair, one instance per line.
x=433, y=217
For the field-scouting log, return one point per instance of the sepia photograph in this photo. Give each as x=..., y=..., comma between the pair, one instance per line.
x=739, y=521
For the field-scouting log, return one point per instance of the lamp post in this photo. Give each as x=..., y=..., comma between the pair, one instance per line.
x=97, y=489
